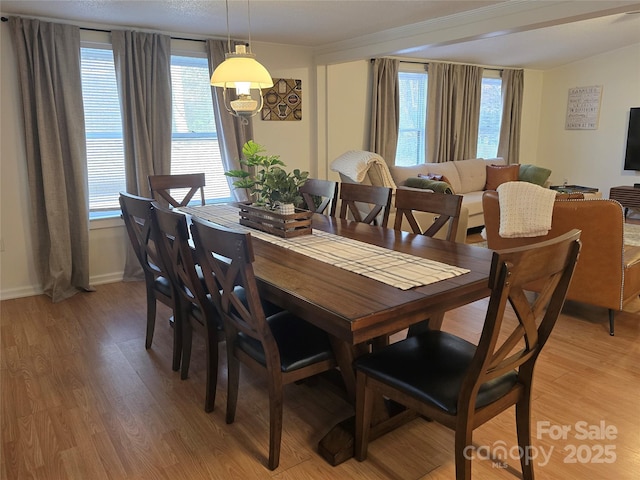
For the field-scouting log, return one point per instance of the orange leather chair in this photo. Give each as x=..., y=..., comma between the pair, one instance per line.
x=608, y=272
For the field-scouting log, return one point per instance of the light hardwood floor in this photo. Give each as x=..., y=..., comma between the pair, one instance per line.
x=83, y=399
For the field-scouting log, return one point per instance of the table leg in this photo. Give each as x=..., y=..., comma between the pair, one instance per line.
x=433, y=323
x=337, y=445
x=345, y=354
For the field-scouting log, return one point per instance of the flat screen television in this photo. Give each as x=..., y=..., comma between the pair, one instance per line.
x=632, y=158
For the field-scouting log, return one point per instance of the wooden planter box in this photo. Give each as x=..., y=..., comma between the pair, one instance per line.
x=270, y=221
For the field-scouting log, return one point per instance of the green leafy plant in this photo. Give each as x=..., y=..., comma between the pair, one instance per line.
x=268, y=183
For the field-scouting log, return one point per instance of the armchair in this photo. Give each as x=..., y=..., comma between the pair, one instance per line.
x=607, y=273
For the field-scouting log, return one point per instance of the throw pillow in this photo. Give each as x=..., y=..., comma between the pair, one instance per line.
x=422, y=182
x=499, y=174
x=534, y=174
x=437, y=177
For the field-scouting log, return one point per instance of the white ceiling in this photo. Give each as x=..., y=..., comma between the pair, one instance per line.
x=539, y=34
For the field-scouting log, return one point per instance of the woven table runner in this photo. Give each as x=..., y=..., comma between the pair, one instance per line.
x=398, y=269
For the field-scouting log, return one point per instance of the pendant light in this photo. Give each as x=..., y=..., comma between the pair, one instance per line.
x=240, y=70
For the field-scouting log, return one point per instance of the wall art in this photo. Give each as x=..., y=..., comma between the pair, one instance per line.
x=583, y=108
x=283, y=101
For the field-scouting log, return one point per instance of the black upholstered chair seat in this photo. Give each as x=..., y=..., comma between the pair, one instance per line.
x=196, y=313
x=163, y=285
x=431, y=367
x=300, y=343
x=269, y=308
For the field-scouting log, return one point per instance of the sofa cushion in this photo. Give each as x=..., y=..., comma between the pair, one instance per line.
x=473, y=202
x=472, y=173
x=533, y=174
x=435, y=176
x=447, y=169
x=499, y=174
x=425, y=183
x=377, y=175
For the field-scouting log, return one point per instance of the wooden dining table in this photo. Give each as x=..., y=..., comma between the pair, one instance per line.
x=357, y=311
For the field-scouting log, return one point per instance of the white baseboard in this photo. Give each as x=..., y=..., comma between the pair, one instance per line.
x=31, y=290
x=107, y=278
x=20, y=292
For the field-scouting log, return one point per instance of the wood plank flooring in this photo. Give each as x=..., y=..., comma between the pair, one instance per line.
x=81, y=398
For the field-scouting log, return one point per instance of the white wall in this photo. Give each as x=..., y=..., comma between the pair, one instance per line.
x=531, y=105
x=591, y=157
x=295, y=141
x=347, y=101
x=17, y=272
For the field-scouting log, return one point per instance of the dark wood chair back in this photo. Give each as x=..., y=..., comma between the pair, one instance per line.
x=446, y=207
x=354, y=196
x=325, y=192
x=285, y=347
x=137, y=216
x=195, y=310
x=461, y=385
x=227, y=259
x=162, y=185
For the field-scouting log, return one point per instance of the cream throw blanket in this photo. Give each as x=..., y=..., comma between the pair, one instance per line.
x=525, y=209
x=356, y=163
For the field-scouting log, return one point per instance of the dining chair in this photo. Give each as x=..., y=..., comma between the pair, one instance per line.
x=325, y=192
x=162, y=187
x=354, y=195
x=137, y=216
x=284, y=347
x=194, y=308
x=446, y=207
x=462, y=385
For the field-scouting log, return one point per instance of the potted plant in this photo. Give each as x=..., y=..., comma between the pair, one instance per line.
x=268, y=184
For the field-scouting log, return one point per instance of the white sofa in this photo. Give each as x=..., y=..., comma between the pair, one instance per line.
x=466, y=177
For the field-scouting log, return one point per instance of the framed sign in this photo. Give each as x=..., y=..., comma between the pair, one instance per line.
x=283, y=101
x=583, y=108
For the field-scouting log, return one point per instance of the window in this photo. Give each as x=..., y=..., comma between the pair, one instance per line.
x=412, y=138
x=412, y=134
x=194, y=142
x=490, y=115
x=103, y=125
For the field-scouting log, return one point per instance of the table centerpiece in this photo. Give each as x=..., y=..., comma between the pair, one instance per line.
x=273, y=193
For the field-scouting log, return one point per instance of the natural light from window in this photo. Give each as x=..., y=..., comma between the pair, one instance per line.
x=103, y=125
x=194, y=142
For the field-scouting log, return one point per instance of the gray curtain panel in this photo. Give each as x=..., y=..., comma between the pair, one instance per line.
x=385, y=109
x=453, y=112
x=48, y=57
x=512, y=91
x=143, y=74
x=232, y=133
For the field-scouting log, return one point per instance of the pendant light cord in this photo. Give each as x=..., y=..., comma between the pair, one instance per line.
x=228, y=32
x=249, y=17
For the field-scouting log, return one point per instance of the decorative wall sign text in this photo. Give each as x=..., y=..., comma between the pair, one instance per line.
x=583, y=108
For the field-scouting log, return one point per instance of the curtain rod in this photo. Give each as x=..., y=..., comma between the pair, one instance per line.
x=5, y=19
x=416, y=62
